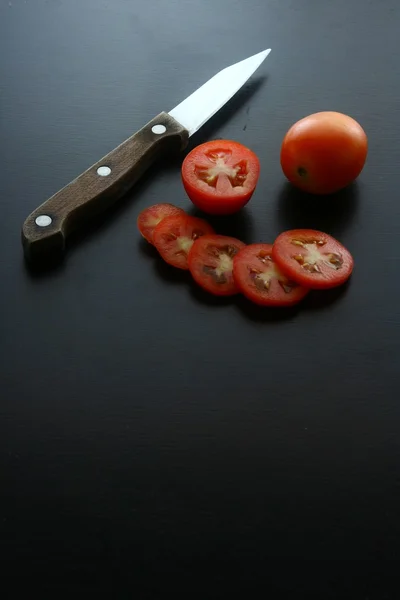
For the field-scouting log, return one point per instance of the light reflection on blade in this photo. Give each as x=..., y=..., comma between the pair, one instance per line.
x=200, y=106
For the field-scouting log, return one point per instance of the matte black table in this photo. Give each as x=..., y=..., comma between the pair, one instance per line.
x=151, y=434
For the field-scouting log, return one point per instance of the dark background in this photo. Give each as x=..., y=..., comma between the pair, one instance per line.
x=151, y=434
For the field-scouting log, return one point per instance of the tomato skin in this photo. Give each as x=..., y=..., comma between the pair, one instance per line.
x=149, y=218
x=324, y=152
x=211, y=263
x=312, y=258
x=175, y=235
x=260, y=280
x=220, y=176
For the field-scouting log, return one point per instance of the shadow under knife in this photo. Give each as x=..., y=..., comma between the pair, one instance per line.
x=172, y=163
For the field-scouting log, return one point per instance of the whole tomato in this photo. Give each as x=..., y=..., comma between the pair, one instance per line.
x=324, y=152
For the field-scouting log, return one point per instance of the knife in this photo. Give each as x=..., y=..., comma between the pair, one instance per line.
x=46, y=229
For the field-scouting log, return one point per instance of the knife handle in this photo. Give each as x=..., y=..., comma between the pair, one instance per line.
x=45, y=231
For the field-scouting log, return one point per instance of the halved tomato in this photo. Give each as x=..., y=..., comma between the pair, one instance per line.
x=220, y=176
x=211, y=263
x=259, y=279
x=312, y=258
x=174, y=237
x=150, y=217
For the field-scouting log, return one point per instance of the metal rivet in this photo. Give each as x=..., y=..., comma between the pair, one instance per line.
x=159, y=129
x=103, y=171
x=43, y=220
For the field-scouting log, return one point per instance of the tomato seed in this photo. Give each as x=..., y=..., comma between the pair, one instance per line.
x=218, y=277
x=336, y=260
x=311, y=267
x=261, y=284
x=288, y=286
x=169, y=237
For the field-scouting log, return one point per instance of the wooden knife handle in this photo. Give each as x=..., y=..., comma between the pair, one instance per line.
x=45, y=230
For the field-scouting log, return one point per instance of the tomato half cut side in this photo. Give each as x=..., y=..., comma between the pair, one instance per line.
x=261, y=281
x=175, y=235
x=220, y=176
x=211, y=263
x=150, y=217
x=312, y=258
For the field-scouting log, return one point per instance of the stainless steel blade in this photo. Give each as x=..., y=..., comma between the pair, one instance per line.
x=197, y=108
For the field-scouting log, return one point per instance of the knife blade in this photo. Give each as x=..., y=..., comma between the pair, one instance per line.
x=46, y=229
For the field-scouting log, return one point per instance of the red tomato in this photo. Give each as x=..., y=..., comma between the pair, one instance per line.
x=211, y=263
x=152, y=216
x=259, y=279
x=174, y=237
x=312, y=258
x=324, y=152
x=220, y=176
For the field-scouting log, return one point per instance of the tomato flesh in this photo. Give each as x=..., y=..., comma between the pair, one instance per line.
x=149, y=218
x=220, y=176
x=261, y=281
x=312, y=258
x=211, y=263
x=324, y=152
x=174, y=237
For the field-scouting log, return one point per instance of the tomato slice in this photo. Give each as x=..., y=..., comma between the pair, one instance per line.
x=312, y=258
x=211, y=263
x=220, y=176
x=259, y=279
x=174, y=237
x=149, y=218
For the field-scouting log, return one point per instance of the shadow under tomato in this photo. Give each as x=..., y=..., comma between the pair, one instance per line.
x=316, y=300
x=239, y=225
x=206, y=298
x=332, y=214
x=266, y=314
x=146, y=249
x=170, y=274
x=323, y=299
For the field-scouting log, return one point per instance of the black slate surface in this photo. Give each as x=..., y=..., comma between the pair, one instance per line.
x=151, y=434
